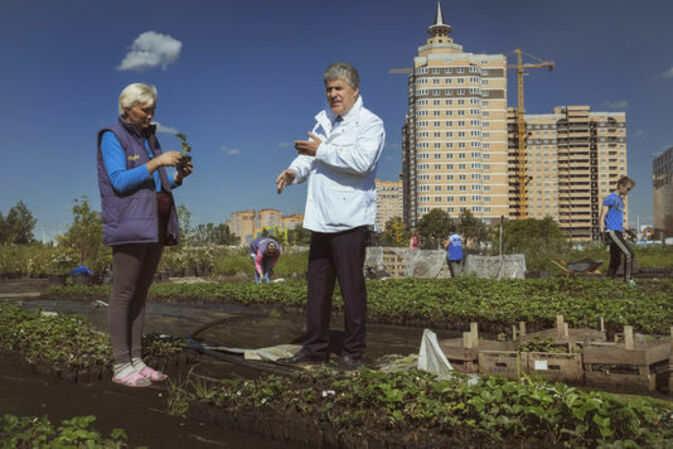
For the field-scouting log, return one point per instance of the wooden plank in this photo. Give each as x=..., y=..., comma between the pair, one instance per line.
x=628, y=338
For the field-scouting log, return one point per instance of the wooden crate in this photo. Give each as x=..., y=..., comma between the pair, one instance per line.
x=509, y=364
x=563, y=334
x=556, y=366
x=629, y=366
x=463, y=352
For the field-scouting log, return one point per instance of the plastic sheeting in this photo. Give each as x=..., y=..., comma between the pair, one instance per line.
x=431, y=358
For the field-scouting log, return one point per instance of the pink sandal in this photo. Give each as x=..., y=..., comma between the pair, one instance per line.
x=135, y=379
x=152, y=374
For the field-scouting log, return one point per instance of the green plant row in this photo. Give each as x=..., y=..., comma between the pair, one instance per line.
x=40, y=260
x=66, y=342
x=415, y=406
x=453, y=303
x=40, y=433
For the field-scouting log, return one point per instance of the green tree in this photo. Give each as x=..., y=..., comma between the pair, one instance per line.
x=298, y=236
x=434, y=228
x=84, y=238
x=538, y=240
x=395, y=233
x=4, y=232
x=184, y=219
x=209, y=234
x=18, y=225
x=471, y=228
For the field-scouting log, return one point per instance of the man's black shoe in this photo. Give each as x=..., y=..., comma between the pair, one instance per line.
x=303, y=358
x=350, y=362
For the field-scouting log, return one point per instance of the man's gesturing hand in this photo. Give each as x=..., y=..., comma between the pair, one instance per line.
x=285, y=178
x=308, y=147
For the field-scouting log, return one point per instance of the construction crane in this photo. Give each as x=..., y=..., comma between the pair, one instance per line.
x=522, y=176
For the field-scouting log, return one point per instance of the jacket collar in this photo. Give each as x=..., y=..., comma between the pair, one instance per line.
x=130, y=127
x=326, y=117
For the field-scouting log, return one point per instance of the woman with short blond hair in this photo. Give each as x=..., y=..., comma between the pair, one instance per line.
x=139, y=218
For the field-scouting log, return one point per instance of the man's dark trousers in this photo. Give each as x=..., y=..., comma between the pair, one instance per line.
x=333, y=255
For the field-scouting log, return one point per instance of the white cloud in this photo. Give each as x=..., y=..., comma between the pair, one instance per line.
x=165, y=129
x=230, y=151
x=149, y=50
x=622, y=104
x=668, y=73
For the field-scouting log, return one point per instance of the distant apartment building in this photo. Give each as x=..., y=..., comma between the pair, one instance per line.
x=292, y=221
x=249, y=224
x=243, y=225
x=388, y=202
x=662, y=183
x=269, y=218
x=573, y=159
x=454, y=140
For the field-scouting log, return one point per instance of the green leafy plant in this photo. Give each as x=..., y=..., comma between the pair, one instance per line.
x=413, y=405
x=40, y=433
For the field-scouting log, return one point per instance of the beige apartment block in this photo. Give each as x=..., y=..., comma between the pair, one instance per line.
x=574, y=158
x=292, y=221
x=388, y=202
x=662, y=183
x=269, y=218
x=454, y=140
x=243, y=225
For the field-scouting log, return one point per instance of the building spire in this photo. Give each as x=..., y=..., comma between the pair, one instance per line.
x=439, y=28
x=439, y=18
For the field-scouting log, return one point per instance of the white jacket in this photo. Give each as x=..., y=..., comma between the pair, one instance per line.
x=341, y=177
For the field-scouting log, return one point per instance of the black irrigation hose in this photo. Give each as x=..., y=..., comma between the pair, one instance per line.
x=194, y=343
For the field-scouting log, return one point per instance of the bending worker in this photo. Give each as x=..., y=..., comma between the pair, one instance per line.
x=264, y=252
x=339, y=162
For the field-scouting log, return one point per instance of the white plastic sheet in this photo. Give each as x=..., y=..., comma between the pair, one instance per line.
x=431, y=358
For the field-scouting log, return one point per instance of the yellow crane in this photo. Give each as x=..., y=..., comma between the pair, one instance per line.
x=522, y=176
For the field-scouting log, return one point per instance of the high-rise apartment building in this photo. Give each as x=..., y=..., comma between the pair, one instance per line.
x=454, y=140
x=574, y=158
x=388, y=202
x=292, y=221
x=662, y=183
x=243, y=225
x=269, y=218
x=248, y=224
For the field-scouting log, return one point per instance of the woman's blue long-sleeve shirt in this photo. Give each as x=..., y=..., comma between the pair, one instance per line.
x=123, y=180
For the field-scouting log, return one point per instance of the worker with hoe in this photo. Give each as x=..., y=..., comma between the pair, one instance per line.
x=339, y=163
x=612, y=229
x=264, y=252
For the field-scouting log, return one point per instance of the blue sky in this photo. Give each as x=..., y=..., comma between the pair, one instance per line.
x=243, y=80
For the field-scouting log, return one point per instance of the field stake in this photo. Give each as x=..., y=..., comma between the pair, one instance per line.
x=522, y=328
x=559, y=325
x=670, y=367
x=628, y=338
x=602, y=324
x=467, y=339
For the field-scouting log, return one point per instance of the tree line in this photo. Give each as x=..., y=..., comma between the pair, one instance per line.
x=527, y=236
x=17, y=227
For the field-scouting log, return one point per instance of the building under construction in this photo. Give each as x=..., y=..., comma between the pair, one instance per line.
x=461, y=145
x=573, y=159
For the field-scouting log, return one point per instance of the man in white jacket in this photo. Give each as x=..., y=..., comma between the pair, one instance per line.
x=339, y=161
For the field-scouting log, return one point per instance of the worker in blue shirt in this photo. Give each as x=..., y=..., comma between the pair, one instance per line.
x=454, y=252
x=612, y=229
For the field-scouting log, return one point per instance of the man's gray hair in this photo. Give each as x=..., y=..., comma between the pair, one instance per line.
x=137, y=93
x=342, y=70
